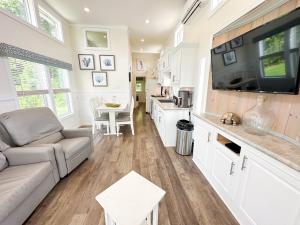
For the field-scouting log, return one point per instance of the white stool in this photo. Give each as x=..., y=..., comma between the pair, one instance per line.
x=133, y=200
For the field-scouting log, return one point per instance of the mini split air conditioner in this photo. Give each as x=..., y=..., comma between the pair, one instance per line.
x=191, y=10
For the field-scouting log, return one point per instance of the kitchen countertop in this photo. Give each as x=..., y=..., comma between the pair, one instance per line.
x=276, y=147
x=167, y=106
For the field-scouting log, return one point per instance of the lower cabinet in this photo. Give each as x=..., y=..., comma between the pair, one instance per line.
x=224, y=173
x=257, y=189
x=266, y=194
x=165, y=121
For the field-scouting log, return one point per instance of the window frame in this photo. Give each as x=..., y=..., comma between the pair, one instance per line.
x=58, y=24
x=219, y=5
x=30, y=11
x=48, y=92
x=179, y=35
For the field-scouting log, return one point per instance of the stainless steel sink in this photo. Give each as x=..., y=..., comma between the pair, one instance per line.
x=166, y=100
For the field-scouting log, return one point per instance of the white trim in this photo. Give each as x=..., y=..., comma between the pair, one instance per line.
x=85, y=44
x=32, y=27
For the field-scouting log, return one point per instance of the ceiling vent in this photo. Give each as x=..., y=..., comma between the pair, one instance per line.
x=189, y=13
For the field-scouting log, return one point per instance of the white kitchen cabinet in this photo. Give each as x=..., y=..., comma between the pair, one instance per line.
x=266, y=194
x=184, y=65
x=224, y=173
x=165, y=121
x=258, y=189
x=201, y=151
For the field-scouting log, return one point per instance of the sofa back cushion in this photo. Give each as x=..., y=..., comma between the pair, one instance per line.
x=51, y=139
x=3, y=146
x=5, y=137
x=3, y=162
x=28, y=125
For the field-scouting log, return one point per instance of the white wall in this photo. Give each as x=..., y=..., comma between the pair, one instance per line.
x=18, y=33
x=118, y=81
x=201, y=29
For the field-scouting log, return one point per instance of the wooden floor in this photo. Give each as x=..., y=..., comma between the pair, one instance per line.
x=190, y=200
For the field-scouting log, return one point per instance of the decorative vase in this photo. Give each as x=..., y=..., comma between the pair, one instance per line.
x=259, y=119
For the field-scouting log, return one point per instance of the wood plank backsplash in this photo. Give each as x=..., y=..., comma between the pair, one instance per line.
x=285, y=107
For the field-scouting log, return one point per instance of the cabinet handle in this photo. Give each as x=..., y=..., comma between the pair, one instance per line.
x=245, y=158
x=231, y=168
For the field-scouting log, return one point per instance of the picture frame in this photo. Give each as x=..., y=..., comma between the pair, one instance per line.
x=86, y=61
x=220, y=49
x=96, y=39
x=237, y=42
x=140, y=66
x=107, y=62
x=99, y=79
x=229, y=58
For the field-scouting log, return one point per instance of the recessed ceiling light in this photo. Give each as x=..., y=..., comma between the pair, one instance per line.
x=147, y=21
x=86, y=9
x=142, y=40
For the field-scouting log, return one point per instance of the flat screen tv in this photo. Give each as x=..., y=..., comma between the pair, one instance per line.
x=265, y=59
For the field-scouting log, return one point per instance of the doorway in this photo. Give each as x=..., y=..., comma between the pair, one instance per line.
x=140, y=90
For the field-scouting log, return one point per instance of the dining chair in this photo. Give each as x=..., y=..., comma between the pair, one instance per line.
x=99, y=119
x=126, y=119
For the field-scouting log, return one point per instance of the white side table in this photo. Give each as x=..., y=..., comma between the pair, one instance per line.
x=133, y=200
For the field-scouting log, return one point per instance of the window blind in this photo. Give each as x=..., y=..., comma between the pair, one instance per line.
x=19, y=53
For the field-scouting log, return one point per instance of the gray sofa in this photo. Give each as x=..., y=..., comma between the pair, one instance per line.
x=38, y=153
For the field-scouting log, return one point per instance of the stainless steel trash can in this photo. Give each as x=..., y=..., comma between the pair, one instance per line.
x=184, y=140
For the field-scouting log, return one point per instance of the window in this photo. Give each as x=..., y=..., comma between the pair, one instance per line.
x=22, y=9
x=60, y=86
x=215, y=4
x=179, y=35
x=50, y=24
x=139, y=86
x=38, y=85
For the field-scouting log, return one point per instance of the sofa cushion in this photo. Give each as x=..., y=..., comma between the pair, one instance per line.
x=3, y=146
x=28, y=125
x=51, y=139
x=18, y=182
x=5, y=137
x=3, y=162
x=73, y=146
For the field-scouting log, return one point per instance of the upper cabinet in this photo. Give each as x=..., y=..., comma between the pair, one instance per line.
x=177, y=66
x=184, y=65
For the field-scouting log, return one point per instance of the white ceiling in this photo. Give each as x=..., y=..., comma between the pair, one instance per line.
x=163, y=15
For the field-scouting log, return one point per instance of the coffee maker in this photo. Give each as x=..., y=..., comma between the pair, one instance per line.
x=185, y=99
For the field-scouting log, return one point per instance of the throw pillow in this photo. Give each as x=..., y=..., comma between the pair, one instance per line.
x=3, y=162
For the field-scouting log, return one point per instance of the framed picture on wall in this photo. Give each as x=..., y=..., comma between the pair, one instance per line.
x=140, y=65
x=107, y=62
x=220, y=49
x=237, y=42
x=86, y=62
x=229, y=58
x=96, y=39
x=99, y=79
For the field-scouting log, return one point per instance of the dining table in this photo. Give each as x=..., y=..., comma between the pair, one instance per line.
x=112, y=115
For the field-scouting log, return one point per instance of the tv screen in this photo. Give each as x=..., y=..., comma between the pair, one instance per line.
x=265, y=59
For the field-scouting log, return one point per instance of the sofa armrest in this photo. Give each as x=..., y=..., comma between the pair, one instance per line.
x=80, y=132
x=74, y=133
x=29, y=155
